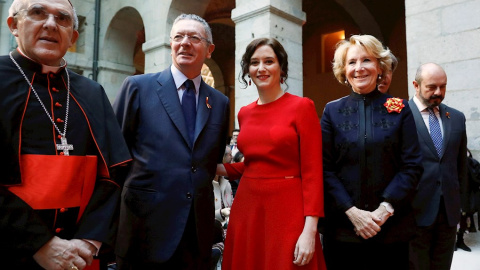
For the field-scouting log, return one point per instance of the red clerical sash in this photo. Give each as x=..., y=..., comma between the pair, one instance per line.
x=52, y=182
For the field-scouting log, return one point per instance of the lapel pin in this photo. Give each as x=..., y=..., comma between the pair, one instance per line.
x=208, y=105
x=447, y=114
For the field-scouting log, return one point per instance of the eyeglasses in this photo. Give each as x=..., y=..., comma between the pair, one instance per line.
x=39, y=14
x=192, y=39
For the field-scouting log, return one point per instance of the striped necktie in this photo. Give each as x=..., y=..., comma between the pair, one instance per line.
x=435, y=131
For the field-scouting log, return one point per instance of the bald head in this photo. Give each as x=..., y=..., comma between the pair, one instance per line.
x=428, y=67
x=430, y=84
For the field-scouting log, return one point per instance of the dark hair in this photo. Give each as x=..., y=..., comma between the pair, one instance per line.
x=253, y=46
x=238, y=157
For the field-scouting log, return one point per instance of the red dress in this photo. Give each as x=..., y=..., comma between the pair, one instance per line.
x=281, y=183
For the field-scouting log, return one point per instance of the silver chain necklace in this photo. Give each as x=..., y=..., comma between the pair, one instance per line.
x=64, y=146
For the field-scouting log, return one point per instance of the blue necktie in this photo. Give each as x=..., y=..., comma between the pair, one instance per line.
x=435, y=131
x=189, y=107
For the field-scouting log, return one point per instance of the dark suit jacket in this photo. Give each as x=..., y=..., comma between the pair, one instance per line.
x=369, y=156
x=168, y=175
x=446, y=174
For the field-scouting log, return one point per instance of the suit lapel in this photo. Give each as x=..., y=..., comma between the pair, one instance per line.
x=167, y=92
x=203, y=111
x=421, y=127
x=446, y=123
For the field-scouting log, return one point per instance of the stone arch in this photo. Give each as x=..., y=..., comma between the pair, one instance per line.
x=116, y=58
x=362, y=17
x=217, y=75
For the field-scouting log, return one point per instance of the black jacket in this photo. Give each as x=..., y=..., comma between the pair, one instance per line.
x=369, y=156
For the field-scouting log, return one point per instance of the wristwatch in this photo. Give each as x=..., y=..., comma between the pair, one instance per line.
x=388, y=207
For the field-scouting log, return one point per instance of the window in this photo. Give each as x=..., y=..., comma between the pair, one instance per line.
x=328, y=49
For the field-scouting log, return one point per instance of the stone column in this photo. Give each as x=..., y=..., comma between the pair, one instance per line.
x=279, y=19
x=157, y=54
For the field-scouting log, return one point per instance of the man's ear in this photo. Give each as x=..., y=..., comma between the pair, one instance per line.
x=12, y=25
x=210, y=49
x=75, y=35
x=415, y=84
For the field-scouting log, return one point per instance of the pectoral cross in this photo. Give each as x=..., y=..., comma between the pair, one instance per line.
x=64, y=146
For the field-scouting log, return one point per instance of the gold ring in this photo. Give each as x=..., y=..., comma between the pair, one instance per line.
x=73, y=267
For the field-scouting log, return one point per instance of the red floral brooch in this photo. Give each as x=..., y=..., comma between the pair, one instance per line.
x=394, y=105
x=208, y=104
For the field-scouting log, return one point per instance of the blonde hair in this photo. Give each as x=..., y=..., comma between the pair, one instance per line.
x=373, y=47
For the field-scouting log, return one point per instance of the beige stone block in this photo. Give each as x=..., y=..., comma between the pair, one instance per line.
x=461, y=17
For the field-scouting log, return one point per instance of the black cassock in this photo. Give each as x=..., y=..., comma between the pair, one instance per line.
x=74, y=196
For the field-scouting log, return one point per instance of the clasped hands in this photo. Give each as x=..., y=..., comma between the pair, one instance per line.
x=59, y=254
x=367, y=224
x=225, y=212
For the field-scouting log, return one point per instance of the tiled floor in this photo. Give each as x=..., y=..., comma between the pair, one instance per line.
x=463, y=260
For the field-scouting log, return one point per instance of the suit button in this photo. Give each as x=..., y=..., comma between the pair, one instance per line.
x=194, y=169
x=58, y=230
x=63, y=210
x=189, y=195
x=438, y=183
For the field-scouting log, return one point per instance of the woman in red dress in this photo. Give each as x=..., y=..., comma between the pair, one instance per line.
x=273, y=221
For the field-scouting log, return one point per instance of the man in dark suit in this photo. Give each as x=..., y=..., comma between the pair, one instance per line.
x=442, y=136
x=167, y=211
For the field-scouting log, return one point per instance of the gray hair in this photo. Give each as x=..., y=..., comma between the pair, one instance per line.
x=199, y=19
x=18, y=5
x=394, y=61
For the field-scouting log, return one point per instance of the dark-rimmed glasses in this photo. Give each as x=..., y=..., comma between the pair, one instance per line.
x=39, y=14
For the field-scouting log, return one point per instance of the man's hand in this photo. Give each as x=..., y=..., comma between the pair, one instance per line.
x=382, y=214
x=85, y=249
x=59, y=254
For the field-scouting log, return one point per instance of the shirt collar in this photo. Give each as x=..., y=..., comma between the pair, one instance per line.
x=179, y=78
x=45, y=68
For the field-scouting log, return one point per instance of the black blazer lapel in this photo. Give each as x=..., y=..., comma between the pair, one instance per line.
x=203, y=110
x=167, y=92
x=421, y=127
